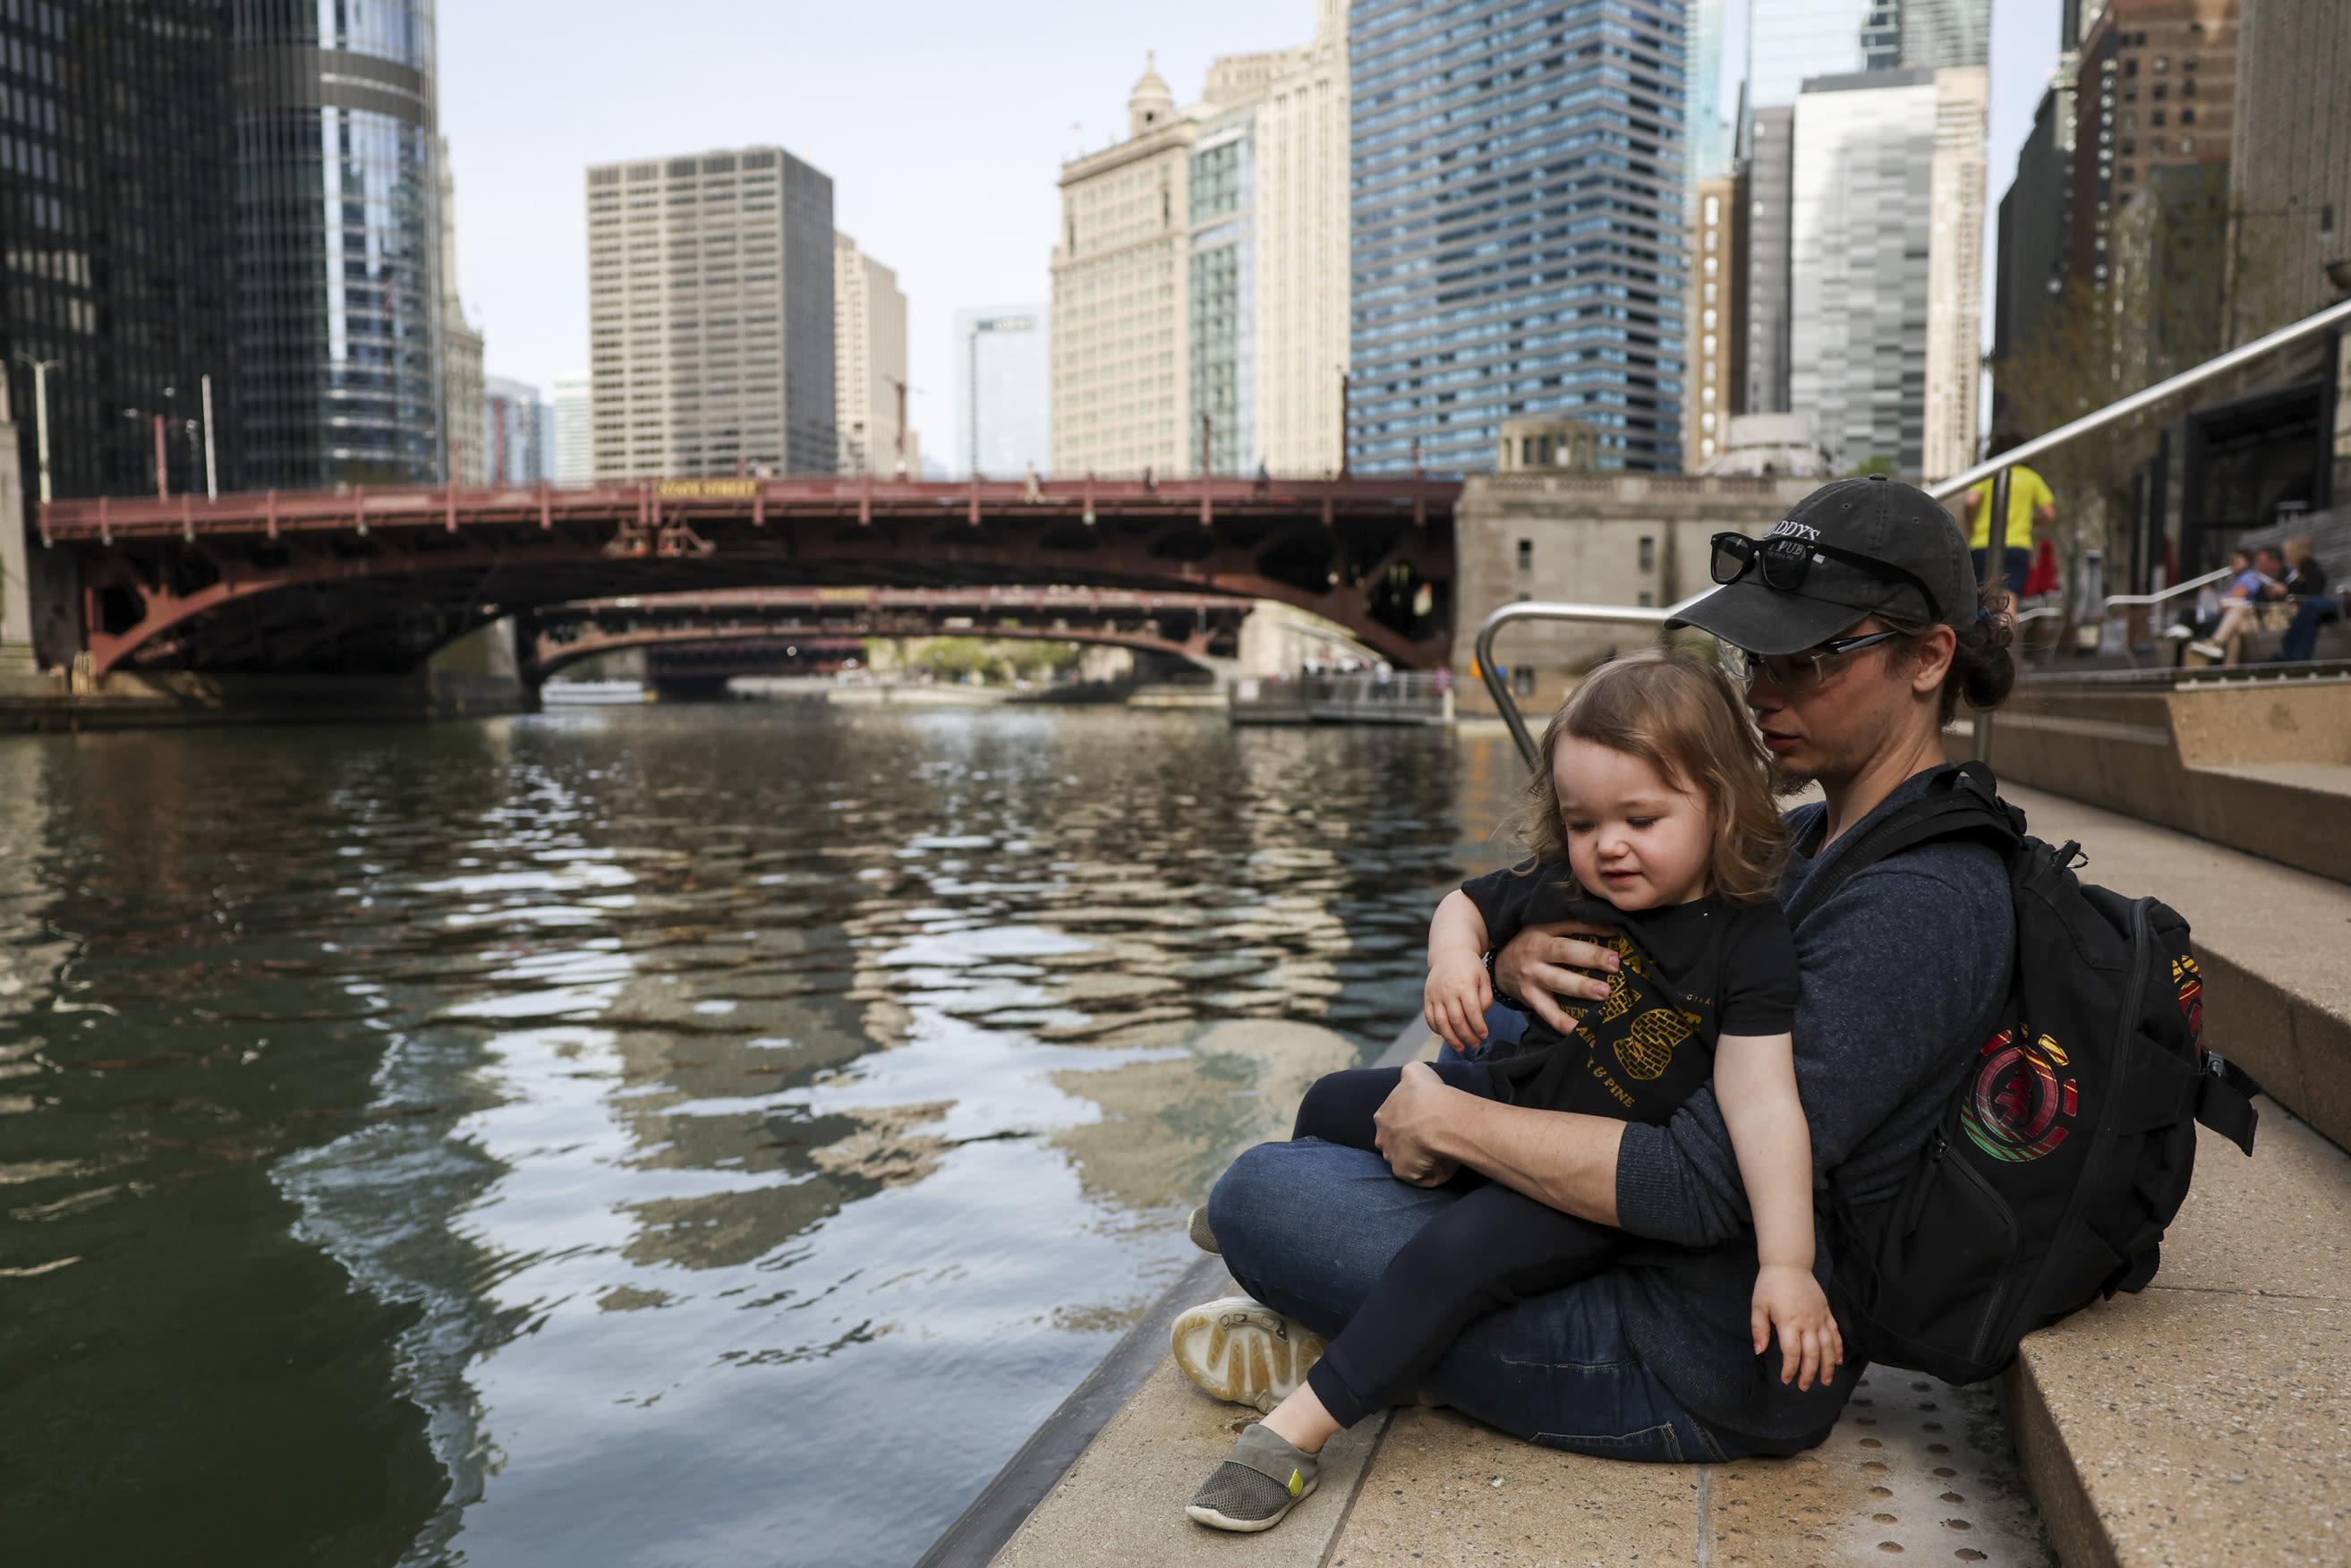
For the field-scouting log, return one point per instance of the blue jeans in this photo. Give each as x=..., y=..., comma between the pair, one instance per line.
x=1306, y=1227
x=2301, y=637
x=2018, y=562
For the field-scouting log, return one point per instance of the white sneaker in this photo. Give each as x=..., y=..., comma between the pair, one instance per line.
x=1244, y=1352
x=2209, y=650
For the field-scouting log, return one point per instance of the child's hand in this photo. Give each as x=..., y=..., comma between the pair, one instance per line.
x=1789, y=1300
x=1457, y=997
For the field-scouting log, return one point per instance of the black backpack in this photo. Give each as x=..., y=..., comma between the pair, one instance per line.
x=2071, y=1144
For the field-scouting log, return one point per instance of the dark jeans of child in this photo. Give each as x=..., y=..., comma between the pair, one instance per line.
x=1489, y=1250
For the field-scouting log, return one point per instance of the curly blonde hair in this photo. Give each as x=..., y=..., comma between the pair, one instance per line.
x=1681, y=716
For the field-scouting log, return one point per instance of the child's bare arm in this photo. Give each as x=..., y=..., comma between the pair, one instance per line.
x=1755, y=1085
x=1459, y=990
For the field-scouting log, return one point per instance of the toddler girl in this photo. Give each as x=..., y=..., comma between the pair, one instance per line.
x=1652, y=815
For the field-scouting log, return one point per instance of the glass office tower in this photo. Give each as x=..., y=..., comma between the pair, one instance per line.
x=115, y=239
x=1517, y=218
x=339, y=242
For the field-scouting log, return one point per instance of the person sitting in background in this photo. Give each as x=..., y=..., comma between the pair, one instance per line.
x=2244, y=585
x=2029, y=501
x=2305, y=581
x=2261, y=606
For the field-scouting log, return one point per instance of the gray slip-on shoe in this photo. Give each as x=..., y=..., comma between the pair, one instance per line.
x=1260, y=1482
x=1197, y=1227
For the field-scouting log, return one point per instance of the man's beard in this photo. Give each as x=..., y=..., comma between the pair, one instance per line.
x=1787, y=780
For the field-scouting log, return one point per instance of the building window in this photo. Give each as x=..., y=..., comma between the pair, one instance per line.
x=2162, y=63
x=2130, y=150
x=2160, y=92
x=2326, y=221
x=2187, y=117
x=2188, y=146
x=2128, y=174
x=1522, y=681
x=1525, y=555
x=1713, y=210
x=1648, y=553
x=2155, y=119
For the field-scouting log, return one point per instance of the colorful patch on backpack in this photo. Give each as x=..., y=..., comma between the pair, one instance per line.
x=2190, y=982
x=2020, y=1108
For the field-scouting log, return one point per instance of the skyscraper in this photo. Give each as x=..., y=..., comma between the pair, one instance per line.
x=518, y=429
x=339, y=263
x=462, y=406
x=1771, y=173
x=1886, y=237
x=1200, y=284
x=1711, y=137
x=711, y=315
x=575, y=435
x=1519, y=245
x=1003, y=398
x=117, y=244
x=869, y=344
x=1789, y=40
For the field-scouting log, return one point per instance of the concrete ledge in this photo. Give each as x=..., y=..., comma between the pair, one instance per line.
x=2262, y=767
x=2207, y=1420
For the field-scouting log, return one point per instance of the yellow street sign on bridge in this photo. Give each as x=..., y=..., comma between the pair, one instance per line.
x=708, y=489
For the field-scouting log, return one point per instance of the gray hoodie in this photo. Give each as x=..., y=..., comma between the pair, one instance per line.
x=1904, y=971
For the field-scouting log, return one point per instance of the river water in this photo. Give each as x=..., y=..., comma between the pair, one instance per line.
x=697, y=1136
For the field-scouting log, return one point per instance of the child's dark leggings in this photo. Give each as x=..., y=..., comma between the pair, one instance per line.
x=1487, y=1251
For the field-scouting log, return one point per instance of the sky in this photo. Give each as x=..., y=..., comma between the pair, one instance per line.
x=942, y=124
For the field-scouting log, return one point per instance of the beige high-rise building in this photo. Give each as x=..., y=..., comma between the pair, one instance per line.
x=462, y=396
x=1200, y=283
x=1302, y=220
x=869, y=338
x=1955, y=270
x=710, y=312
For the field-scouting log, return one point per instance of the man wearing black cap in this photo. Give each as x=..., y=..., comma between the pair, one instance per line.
x=1858, y=617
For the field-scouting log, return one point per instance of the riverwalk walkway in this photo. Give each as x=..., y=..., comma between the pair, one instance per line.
x=2201, y=1422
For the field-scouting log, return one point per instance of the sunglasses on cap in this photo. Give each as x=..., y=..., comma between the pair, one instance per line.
x=1784, y=562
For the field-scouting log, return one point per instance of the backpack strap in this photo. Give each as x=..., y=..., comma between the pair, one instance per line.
x=1964, y=803
x=2224, y=1100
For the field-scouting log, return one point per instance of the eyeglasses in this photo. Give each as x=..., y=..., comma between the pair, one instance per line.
x=1784, y=562
x=1804, y=671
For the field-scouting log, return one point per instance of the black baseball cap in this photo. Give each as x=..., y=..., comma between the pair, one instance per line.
x=1924, y=573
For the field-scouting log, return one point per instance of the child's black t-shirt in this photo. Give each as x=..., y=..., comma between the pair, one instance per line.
x=1691, y=972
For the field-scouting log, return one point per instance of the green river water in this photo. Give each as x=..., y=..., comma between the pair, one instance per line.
x=657, y=1135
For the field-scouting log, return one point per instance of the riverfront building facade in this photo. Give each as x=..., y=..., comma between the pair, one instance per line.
x=117, y=242
x=339, y=245
x=1519, y=240
x=869, y=345
x=518, y=435
x=710, y=312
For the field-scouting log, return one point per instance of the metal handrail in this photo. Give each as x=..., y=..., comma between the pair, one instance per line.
x=2235, y=358
x=1582, y=614
x=2174, y=592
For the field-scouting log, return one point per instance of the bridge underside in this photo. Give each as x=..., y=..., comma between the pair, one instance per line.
x=759, y=631
x=371, y=583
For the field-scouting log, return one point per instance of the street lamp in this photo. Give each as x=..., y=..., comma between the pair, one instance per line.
x=41, y=369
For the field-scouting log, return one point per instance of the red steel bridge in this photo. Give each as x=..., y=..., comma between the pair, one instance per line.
x=751, y=630
x=369, y=580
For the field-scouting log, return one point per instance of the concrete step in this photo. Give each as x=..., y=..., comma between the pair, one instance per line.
x=2262, y=764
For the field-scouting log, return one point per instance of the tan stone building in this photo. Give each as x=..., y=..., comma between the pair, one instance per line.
x=462, y=393
x=1200, y=279
x=1717, y=385
x=869, y=348
x=1600, y=539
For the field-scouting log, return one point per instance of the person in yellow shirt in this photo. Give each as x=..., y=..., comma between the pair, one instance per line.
x=2030, y=502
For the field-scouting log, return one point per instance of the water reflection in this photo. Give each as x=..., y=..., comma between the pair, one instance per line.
x=697, y=1137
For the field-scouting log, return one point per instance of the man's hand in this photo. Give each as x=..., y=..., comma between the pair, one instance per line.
x=1410, y=1122
x=1543, y=963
